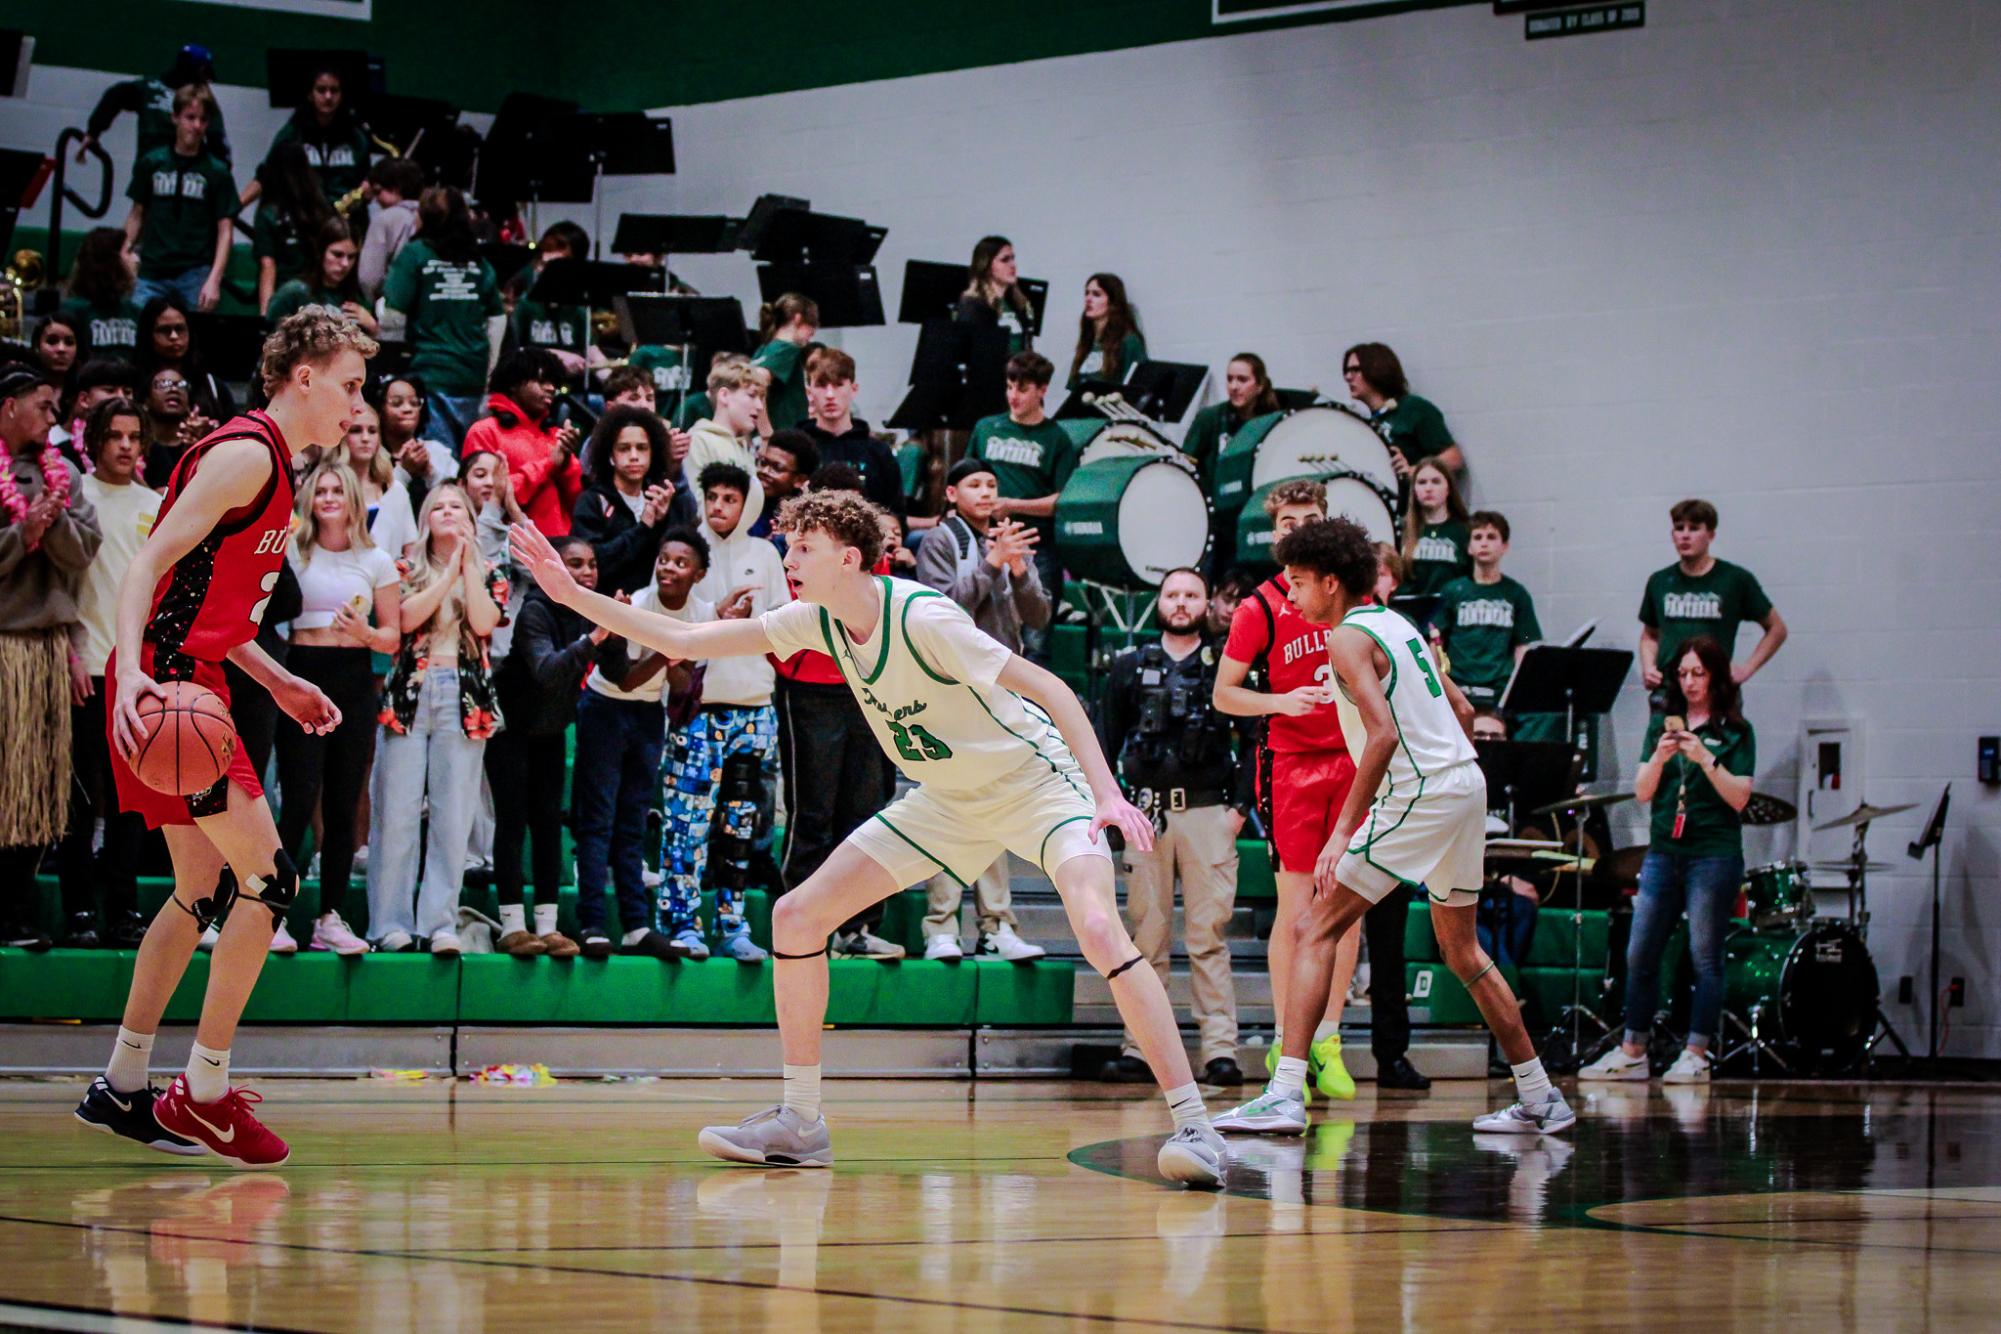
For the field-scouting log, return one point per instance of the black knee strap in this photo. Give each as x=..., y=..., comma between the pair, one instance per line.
x=814, y=955
x=1113, y=975
x=207, y=912
x=278, y=891
x=1491, y=966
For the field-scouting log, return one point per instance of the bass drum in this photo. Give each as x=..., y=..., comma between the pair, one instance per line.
x=1097, y=439
x=1127, y=521
x=1348, y=496
x=1816, y=988
x=1312, y=442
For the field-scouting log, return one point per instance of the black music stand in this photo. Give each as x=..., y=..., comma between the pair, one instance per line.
x=665, y=234
x=1292, y=400
x=697, y=326
x=847, y=294
x=762, y=211
x=1164, y=389
x=930, y=291
x=1526, y=775
x=1417, y=608
x=587, y=282
x=289, y=75
x=1553, y=679
x=619, y=143
x=519, y=161
x=418, y=126
x=506, y=259
x=958, y=376
x=1929, y=841
x=788, y=235
x=1082, y=401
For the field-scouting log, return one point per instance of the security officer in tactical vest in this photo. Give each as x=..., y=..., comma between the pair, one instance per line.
x=1177, y=758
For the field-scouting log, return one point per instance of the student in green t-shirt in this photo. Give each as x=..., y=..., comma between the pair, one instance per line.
x=1032, y=458
x=441, y=298
x=1109, y=343
x=564, y=329
x=993, y=297
x=1435, y=532
x=290, y=209
x=1247, y=393
x=1701, y=754
x=1486, y=620
x=1412, y=427
x=786, y=328
x=100, y=293
x=152, y=102
x=326, y=127
x=183, y=201
x=1701, y=595
x=331, y=266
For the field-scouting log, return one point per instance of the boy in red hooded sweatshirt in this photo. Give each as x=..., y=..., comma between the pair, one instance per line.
x=541, y=460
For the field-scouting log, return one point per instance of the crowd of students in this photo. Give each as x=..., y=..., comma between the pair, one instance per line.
x=461, y=692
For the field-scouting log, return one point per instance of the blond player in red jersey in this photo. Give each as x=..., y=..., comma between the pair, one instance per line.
x=193, y=597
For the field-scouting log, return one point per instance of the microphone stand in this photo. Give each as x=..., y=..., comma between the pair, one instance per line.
x=1930, y=841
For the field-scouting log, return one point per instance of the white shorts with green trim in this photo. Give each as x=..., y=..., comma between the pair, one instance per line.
x=1433, y=838
x=1043, y=819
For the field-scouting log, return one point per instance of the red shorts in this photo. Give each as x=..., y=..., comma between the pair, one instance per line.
x=163, y=808
x=1308, y=789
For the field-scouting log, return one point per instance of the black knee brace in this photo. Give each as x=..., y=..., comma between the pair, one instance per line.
x=278, y=891
x=741, y=783
x=1113, y=975
x=814, y=955
x=207, y=912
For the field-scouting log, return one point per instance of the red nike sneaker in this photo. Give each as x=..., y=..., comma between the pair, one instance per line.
x=226, y=1126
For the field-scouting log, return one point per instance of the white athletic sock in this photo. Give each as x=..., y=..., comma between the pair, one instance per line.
x=1184, y=1104
x=1290, y=1077
x=1326, y=1028
x=633, y=937
x=1530, y=1082
x=513, y=917
x=208, y=1073
x=545, y=919
x=129, y=1057
x=802, y=1090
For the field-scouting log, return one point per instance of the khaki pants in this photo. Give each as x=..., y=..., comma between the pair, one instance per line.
x=992, y=901
x=1199, y=845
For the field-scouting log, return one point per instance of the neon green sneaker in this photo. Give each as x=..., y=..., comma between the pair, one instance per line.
x=1330, y=1075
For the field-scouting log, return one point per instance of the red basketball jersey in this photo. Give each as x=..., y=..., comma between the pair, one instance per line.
x=1267, y=629
x=214, y=597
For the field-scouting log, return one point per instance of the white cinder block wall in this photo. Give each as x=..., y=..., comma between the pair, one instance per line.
x=1749, y=252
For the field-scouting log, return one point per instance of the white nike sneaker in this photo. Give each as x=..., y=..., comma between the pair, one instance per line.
x=1616, y=1064
x=1003, y=943
x=943, y=947
x=282, y=942
x=1689, y=1068
x=1270, y=1113
x=1547, y=1117
x=1194, y=1156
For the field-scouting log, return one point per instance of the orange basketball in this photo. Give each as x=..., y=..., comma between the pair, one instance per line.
x=186, y=740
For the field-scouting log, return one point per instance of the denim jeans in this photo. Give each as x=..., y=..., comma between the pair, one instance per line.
x=619, y=742
x=434, y=757
x=452, y=415
x=188, y=284
x=1506, y=925
x=1705, y=888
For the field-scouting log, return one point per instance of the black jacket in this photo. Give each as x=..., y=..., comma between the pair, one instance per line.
x=626, y=547
x=539, y=678
x=882, y=480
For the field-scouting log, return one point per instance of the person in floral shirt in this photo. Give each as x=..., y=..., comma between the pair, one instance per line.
x=438, y=710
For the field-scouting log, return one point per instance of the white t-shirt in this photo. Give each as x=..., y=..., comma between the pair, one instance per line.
x=695, y=611
x=127, y=515
x=637, y=504
x=928, y=681
x=330, y=580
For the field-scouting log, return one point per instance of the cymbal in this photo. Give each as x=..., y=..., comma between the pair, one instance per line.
x=1584, y=802
x=1523, y=845
x=1853, y=866
x=1621, y=867
x=1864, y=814
x=1764, y=809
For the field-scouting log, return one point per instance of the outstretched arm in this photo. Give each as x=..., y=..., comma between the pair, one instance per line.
x=1060, y=703
x=1353, y=655
x=674, y=639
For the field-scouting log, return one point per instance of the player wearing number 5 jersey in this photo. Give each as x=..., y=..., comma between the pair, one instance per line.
x=1415, y=816
x=192, y=598
x=1004, y=758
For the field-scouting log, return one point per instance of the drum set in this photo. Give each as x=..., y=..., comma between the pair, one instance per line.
x=1800, y=989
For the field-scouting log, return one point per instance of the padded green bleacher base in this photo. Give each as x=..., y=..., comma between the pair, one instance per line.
x=319, y=988
x=1551, y=947
x=1432, y=986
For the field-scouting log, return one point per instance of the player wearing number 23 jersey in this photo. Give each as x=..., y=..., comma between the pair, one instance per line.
x=211, y=601
x=992, y=770
x=1427, y=825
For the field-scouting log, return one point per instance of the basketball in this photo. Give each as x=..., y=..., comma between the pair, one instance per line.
x=186, y=739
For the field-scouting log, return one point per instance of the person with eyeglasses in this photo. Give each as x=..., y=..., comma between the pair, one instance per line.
x=171, y=424
x=1412, y=427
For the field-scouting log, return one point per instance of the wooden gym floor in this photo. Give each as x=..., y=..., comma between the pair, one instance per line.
x=1003, y=1205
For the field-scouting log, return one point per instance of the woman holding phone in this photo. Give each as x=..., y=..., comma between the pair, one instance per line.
x=1697, y=777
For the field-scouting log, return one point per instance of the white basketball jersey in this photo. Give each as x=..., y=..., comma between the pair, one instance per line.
x=926, y=679
x=1429, y=737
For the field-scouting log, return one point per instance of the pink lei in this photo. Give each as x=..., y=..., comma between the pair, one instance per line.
x=55, y=473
